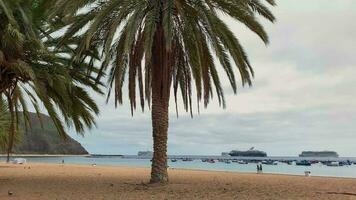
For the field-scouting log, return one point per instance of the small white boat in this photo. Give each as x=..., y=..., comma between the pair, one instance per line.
x=211, y=161
x=333, y=164
x=19, y=161
x=242, y=162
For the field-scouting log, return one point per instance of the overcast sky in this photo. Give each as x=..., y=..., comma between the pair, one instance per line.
x=303, y=96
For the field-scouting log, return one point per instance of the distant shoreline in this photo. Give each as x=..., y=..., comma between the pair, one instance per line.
x=45, y=155
x=2, y=163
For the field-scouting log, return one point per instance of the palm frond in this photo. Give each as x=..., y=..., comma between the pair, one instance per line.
x=193, y=33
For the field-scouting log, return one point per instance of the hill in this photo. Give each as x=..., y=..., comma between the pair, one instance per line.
x=45, y=140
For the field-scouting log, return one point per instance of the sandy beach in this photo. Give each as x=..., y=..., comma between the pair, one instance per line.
x=62, y=182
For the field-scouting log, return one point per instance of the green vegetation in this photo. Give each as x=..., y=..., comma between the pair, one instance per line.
x=31, y=68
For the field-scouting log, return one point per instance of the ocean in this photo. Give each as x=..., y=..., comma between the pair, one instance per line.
x=347, y=171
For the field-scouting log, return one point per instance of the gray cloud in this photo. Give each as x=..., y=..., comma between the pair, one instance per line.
x=213, y=133
x=302, y=98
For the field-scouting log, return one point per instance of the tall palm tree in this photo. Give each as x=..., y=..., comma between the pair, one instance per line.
x=31, y=67
x=164, y=45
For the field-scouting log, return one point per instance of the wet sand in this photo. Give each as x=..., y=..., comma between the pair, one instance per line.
x=66, y=182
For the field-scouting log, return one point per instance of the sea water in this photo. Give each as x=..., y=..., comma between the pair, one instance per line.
x=348, y=171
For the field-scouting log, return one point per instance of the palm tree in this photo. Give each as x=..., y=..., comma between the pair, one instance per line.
x=166, y=45
x=31, y=68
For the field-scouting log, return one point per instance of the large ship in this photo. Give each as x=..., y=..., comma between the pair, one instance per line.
x=331, y=154
x=145, y=154
x=249, y=153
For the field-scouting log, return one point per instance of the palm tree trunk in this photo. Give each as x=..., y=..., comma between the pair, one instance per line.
x=159, y=172
x=11, y=129
x=161, y=81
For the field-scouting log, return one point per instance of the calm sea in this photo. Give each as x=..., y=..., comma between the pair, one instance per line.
x=134, y=161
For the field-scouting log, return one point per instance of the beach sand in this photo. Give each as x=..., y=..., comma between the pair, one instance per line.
x=62, y=182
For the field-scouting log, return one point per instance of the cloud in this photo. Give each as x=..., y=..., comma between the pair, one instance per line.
x=302, y=98
x=281, y=133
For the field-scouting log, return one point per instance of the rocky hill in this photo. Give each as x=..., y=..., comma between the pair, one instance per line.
x=45, y=140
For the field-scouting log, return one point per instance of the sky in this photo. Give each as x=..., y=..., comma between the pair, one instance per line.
x=303, y=95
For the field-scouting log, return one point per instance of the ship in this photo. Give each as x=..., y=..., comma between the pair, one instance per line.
x=225, y=154
x=145, y=154
x=249, y=153
x=331, y=154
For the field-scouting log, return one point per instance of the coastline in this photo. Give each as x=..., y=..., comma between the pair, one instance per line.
x=45, y=155
x=347, y=171
x=67, y=181
x=170, y=168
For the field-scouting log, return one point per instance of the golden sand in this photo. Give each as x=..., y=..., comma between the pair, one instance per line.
x=62, y=182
